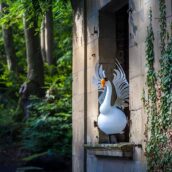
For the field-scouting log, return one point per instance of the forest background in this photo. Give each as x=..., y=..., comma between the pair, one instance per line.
x=35, y=79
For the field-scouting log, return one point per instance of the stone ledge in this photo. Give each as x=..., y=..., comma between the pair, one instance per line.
x=121, y=150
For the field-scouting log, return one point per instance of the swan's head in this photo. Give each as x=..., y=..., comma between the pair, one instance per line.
x=103, y=82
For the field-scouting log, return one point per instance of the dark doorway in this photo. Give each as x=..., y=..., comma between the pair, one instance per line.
x=114, y=43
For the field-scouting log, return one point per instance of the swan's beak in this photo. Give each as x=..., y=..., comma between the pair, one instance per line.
x=103, y=81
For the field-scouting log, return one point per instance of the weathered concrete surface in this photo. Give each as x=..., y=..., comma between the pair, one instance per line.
x=78, y=90
x=137, y=127
x=122, y=150
x=136, y=91
x=100, y=164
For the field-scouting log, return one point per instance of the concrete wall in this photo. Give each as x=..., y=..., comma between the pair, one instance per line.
x=105, y=164
x=78, y=89
x=87, y=51
x=137, y=69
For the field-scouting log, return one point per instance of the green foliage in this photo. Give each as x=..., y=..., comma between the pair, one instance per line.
x=47, y=127
x=9, y=82
x=63, y=27
x=2, y=51
x=150, y=101
x=9, y=86
x=151, y=77
x=9, y=130
x=49, y=124
x=12, y=13
x=159, y=100
x=163, y=24
x=20, y=48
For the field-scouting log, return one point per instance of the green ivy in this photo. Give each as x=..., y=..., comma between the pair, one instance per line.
x=150, y=101
x=163, y=24
x=158, y=100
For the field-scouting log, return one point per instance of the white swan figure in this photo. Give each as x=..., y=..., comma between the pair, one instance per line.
x=112, y=119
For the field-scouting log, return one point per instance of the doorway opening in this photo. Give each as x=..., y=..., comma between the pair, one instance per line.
x=114, y=43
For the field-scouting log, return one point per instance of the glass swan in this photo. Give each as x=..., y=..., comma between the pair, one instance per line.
x=112, y=119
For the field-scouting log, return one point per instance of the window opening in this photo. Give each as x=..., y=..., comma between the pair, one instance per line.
x=113, y=43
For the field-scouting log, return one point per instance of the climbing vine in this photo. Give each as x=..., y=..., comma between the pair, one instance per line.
x=163, y=24
x=151, y=99
x=158, y=99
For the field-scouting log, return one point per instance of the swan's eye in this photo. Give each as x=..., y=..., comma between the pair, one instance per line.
x=103, y=81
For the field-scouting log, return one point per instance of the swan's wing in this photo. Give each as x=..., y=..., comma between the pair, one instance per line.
x=99, y=74
x=121, y=86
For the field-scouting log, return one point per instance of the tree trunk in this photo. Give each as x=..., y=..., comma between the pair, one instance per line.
x=9, y=45
x=43, y=52
x=35, y=70
x=49, y=34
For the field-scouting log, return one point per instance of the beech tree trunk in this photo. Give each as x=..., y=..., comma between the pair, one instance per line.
x=35, y=72
x=47, y=40
x=9, y=45
x=43, y=40
x=49, y=34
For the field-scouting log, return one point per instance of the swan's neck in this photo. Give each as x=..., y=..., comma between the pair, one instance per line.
x=107, y=101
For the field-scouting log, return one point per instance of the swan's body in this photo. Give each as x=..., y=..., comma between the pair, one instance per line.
x=112, y=119
x=112, y=123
